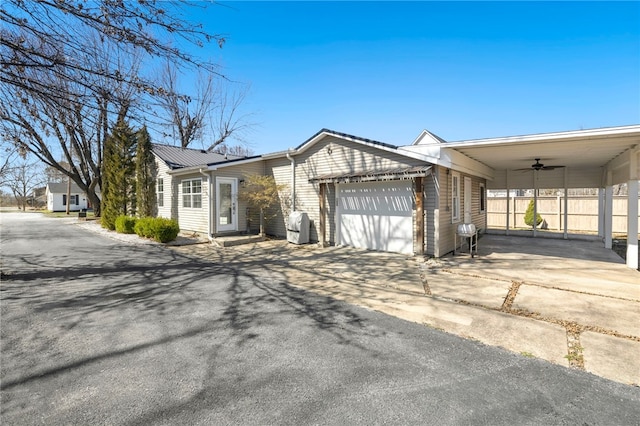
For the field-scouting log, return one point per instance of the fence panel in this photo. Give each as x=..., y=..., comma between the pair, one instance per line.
x=582, y=213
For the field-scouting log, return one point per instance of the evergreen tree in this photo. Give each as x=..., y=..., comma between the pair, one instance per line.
x=118, y=196
x=145, y=175
x=528, y=216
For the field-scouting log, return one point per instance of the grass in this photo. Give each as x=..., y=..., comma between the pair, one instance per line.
x=47, y=213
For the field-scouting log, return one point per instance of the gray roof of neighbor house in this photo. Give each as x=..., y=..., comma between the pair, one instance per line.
x=61, y=188
x=176, y=157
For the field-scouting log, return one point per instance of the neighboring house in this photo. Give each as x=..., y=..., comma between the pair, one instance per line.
x=409, y=199
x=56, y=196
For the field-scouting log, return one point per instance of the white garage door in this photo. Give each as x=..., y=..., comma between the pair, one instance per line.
x=376, y=216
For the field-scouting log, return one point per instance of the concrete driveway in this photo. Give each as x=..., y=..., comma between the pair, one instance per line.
x=101, y=331
x=573, y=303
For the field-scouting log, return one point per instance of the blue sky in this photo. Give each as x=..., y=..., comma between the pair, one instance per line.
x=463, y=70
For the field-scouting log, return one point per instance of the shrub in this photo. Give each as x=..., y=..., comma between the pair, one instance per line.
x=164, y=230
x=125, y=224
x=528, y=216
x=159, y=228
x=143, y=227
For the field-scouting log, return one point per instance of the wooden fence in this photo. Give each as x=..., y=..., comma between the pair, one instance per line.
x=582, y=213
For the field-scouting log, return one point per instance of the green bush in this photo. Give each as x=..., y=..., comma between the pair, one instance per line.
x=125, y=224
x=159, y=228
x=528, y=216
x=143, y=227
x=165, y=230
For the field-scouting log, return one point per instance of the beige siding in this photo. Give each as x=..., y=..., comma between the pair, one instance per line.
x=280, y=169
x=447, y=229
x=431, y=206
x=239, y=172
x=332, y=156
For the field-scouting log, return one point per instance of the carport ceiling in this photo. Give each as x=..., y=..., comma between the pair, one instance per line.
x=578, y=149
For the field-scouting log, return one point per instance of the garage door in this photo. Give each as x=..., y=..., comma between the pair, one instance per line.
x=376, y=216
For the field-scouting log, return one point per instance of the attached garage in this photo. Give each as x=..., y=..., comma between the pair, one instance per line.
x=376, y=215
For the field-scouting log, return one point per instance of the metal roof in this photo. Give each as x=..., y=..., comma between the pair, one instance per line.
x=176, y=157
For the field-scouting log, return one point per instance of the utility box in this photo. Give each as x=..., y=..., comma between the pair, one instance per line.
x=298, y=228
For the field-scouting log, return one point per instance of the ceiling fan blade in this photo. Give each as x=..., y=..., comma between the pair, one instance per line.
x=552, y=167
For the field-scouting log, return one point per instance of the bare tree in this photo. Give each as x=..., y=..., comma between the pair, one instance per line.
x=25, y=177
x=237, y=150
x=67, y=132
x=69, y=70
x=214, y=108
x=230, y=121
x=9, y=156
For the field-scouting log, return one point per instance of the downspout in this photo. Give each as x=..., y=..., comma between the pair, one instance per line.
x=293, y=180
x=209, y=230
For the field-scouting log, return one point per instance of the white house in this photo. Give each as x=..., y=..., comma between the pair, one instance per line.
x=56, y=196
x=409, y=199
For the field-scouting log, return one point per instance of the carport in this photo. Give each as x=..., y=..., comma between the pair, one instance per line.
x=594, y=158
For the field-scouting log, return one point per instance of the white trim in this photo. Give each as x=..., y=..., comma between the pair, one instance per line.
x=233, y=226
x=468, y=197
x=455, y=197
x=546, y=137
x=191, y=193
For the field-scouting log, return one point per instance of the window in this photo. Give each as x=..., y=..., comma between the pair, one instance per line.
x=483, y=198
x=160, y=192
x=455, y=197
x=192, y=193
x=73, y=200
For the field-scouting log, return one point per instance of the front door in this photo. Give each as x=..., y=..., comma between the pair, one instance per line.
x=226, y=204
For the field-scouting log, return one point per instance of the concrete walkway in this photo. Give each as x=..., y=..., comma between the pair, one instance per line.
x=573, y=303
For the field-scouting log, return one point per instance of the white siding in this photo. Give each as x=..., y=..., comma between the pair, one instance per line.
x=170, y=208
x=190, y=218
x=55, y=202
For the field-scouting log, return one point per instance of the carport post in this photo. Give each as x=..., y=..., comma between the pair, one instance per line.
x=601, y=212
x=508, y=199
x=632, y=224
x=608, y=213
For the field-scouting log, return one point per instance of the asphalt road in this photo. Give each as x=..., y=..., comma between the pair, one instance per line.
x=95, y=331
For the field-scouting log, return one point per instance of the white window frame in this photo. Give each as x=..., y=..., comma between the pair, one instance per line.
x=483, y=198
x=455, y=197
x=192, y=199
x=160, y=192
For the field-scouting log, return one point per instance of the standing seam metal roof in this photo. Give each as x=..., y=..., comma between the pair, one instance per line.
x=176, y=157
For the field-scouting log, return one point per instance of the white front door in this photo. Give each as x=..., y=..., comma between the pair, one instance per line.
x=467, y=200
x=226, y=204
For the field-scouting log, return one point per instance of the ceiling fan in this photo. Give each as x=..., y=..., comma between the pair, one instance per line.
x=539, y=166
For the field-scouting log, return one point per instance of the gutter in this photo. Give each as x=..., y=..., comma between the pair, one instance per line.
x=209, y=230
x=293, y=179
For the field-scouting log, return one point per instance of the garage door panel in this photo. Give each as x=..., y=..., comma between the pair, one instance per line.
x=376, y=216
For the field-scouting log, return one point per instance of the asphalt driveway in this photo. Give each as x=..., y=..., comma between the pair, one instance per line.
x=96, y=331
